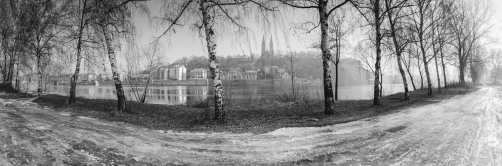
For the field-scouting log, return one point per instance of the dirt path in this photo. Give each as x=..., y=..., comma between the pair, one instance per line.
x=465, y=130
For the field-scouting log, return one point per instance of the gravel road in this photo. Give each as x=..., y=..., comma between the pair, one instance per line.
x=464, y=130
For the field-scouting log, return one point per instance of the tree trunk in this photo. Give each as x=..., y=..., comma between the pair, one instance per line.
x=16, y=86
x=411, y=80
x=437, y=73
x=435, y=56
x=398, y=51
x=74, y=78
x=426, y=67
x=381, y=84
x=208, y=21
x=143, y=97
x=121, y=105
x=444, y=66
x=39, y=71
x=376, y=12
x=421, y=78
x=336, y=82
x=329, y=102
x=4, y=50
x=461, y=68
x=427, y=74
x=292, y=78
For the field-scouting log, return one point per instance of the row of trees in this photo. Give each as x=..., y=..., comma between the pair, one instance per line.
x=33, y=32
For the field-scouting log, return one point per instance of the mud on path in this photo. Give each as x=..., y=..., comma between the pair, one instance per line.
x=465, y=130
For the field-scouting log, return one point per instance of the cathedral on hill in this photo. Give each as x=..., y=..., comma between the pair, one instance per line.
x=267, y=53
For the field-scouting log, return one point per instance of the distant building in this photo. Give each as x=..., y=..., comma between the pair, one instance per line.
x=250, y=75
x=162, y=73
x=197, y=74
x=234, y=74
x=177, y=72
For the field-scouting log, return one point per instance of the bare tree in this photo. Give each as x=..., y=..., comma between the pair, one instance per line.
x=365, y=52
x=151, y=58
x=45, y=29
x=407, y=62
x=420, y=18
x=114, y=18
x=340, y=28
x=83, y=13
x=496, y=65
x=444, y=35
x=394, y=16
x=324, y=8
x=211, y=16
x=469, y=24
x=374, y=13
x=292, y=60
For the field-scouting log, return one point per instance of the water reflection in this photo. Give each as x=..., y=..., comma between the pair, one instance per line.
x=172, y=95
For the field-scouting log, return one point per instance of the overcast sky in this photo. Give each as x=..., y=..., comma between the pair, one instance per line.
x=185, y=42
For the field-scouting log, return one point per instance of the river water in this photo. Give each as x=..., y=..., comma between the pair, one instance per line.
x=174, y=95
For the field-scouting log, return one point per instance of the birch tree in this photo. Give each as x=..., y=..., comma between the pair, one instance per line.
x=45, y=29
x=395, y=16
x=374, y=13
x=82, y=13
x=422, y=27
x=324, y=8
x=114, y=18
x=212, y=18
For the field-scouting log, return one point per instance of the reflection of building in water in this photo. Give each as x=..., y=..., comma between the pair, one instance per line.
x=169, y=95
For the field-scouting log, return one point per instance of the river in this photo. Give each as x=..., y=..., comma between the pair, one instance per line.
x=175, y=95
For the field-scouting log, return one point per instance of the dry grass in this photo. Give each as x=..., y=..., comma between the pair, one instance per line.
x=255, y=118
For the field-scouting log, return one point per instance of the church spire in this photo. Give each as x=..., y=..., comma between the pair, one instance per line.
x=263, y=49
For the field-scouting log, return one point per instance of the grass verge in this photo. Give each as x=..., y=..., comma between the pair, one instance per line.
x=257, y=118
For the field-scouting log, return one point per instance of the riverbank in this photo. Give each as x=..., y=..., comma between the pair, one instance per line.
x=254, y=118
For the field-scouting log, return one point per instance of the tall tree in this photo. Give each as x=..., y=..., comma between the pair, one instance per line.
x=113, y=18
x=373, y=12
x=44, y=19
x=339, y=29
x=422, y=26
x=324, y=9
x=469, y=24
x=211, y=15
x=394, y=16
x=82, y=9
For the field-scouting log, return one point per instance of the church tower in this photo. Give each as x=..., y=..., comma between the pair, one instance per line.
x=264, y=53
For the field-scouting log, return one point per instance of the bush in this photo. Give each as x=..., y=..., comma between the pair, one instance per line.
x=198, y=103
x=467, y=85
x=7, y=88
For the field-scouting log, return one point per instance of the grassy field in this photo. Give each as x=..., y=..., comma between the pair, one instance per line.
x=255, y=118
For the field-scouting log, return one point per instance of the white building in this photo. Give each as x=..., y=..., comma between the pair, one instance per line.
x=177, y=72
x=198, y=74
x=162, y=74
